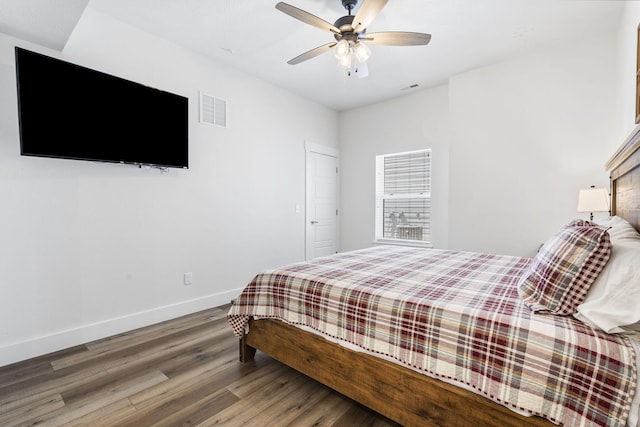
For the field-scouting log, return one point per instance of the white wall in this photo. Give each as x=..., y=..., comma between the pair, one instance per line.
x=92, y=249
x=513, y=144
x=526, y=135
x=413, y=122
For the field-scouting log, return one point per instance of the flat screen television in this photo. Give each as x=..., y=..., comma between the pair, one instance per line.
x=72, y=112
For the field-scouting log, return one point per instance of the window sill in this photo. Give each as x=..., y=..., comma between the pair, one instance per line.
x=399, y=242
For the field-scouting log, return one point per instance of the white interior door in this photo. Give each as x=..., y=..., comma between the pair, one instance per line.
x=321, y=202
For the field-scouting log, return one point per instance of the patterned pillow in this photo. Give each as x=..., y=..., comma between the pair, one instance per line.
x=560, y=275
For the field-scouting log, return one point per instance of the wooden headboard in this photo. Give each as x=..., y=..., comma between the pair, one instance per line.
x=624, y=170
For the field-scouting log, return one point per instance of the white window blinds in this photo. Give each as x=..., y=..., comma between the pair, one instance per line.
x=403, y=196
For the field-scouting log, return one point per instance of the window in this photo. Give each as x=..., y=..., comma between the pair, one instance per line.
x=403, y=197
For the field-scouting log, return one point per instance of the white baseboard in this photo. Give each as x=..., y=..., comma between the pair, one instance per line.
x=60, y=340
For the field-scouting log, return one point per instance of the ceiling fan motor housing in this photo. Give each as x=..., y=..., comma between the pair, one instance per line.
x=346, y=28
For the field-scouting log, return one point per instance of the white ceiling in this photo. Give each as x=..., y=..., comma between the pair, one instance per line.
x=251, y=35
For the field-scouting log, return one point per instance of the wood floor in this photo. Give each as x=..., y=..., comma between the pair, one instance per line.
x=184, y=372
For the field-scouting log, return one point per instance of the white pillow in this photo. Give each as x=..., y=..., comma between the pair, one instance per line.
x=620, y=230
x=613, y=301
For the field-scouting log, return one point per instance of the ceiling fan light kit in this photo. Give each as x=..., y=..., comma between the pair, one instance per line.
x=362, y=51
x=345, y=62
x=342, y=49
x=349, y=32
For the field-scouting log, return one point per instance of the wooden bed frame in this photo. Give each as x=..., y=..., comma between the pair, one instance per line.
x=624, y=169
x=403, y=395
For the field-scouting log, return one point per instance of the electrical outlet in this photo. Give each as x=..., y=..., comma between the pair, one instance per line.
x=188, y=278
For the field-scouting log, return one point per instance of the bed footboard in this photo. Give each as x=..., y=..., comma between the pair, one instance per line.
x=399, y=393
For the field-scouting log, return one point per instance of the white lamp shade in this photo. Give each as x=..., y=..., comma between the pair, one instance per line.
x=593, y=200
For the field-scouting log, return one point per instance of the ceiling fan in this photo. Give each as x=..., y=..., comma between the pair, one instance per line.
x=350, y=33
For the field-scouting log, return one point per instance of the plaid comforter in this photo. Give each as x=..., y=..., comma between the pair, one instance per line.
x=454, y=315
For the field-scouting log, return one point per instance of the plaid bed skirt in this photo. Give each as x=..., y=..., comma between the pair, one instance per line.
x=455, y=315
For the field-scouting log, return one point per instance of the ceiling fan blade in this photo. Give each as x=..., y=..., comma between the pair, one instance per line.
x=306, y=17
x=397, y=38
x=312, y=53
x=367, y=13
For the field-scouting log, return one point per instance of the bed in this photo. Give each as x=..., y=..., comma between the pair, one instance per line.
x=436, y=353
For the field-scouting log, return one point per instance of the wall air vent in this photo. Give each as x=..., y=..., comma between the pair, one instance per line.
x=213, y=110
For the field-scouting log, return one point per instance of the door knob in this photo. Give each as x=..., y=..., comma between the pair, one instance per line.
x=314, y=222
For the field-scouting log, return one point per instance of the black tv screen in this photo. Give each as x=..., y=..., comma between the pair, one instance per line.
x=72, y=112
